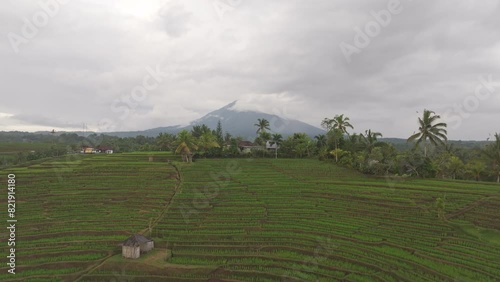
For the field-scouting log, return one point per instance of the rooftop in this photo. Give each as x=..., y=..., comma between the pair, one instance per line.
x=136, y=240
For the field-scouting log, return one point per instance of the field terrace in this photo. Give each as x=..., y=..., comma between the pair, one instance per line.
x=249, y=220
x=73, y=213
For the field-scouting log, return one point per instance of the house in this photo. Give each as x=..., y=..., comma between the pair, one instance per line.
x=247, y=147
x=92, y=150
x=87, y=150
x=272, y=145
x=136, y=245
x=105, y=150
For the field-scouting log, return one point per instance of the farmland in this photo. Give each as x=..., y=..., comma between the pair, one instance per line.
x=9, y=150
x=248, y=220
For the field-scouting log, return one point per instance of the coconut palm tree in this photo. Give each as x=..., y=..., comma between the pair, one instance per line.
x=475, y=168
x=185, y=145
x=199, y=130
x=165, y=141
x=369, y=139
x=429, y=130
x=492, y=151
x=338, y=125
x=321, y=140
x=207, y=141
x=276, y=140
x=262, y=125
x=338, y=122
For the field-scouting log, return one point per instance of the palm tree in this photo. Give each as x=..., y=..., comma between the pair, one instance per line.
x=429, y=130
x=338, y=125
x=321, y=140
x=475, y=168
x=263, y=125
x=327, y=124
x=165, y=141
x=276, y=140
x=342, y=123
x=199, y=130
x=370, y=138
x=207, y=141
x=186, y=144
x=492, y=151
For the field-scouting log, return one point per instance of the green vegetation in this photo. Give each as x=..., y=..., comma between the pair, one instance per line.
x=363, y=152
x=429, y=130
x=255, y=219
x=72, y=213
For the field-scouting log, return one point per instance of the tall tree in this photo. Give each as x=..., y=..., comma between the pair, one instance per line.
x=369, y=139
x=219, y=135
x=262, y=125
x=342, y=123
x=207, y=141
x=321, y=140
x=492, y=151
x=431, y=130
x=337, y=127
x=227, y=138
x=198, y=130
x=475, y=168
x=276, y=140
x=164, y=141
x=185, y=145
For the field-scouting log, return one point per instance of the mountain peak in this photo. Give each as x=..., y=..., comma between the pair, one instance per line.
x=229, y=106
x=238, y=118
x=239, y=121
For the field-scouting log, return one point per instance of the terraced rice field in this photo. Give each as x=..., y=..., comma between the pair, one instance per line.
x=72, y=213
x=252, y=220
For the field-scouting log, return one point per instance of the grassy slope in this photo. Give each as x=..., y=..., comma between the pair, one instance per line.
x=308, y=220
x=251, y=220
x=10, y=150
x=73, y=213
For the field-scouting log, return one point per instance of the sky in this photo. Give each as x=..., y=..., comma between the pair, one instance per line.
x=135, y=65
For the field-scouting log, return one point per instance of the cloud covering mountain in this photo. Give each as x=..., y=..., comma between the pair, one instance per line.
x=238, y=120
x=129, y=65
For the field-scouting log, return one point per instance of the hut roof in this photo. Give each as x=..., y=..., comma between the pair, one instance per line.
x=136, y=240
x=246, y=144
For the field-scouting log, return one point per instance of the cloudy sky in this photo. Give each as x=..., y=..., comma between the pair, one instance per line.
x=133, y=65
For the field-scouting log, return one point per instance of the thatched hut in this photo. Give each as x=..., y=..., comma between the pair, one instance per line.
x=135, y=245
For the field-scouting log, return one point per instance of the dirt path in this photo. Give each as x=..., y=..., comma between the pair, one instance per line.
x=469, y=207
x=169, y=202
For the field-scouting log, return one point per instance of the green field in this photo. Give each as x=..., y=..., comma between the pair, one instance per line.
x=247, y=220
x=8, y=151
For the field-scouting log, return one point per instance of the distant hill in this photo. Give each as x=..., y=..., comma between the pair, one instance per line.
x=236, y=122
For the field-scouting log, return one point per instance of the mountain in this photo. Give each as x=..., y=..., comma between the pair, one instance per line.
x=236, y=122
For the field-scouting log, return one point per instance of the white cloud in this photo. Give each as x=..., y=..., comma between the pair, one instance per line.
x=279, y=57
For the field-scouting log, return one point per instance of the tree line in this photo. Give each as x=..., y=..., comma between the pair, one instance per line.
x=429, y=154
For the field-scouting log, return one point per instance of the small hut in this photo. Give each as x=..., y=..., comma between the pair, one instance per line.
x=135, y=245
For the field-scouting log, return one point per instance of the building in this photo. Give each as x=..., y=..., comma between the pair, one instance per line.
x=105, y=150
x=246, y=147
x=136, y=245
x=91, y=150
x=272, y=145
x=87, y=150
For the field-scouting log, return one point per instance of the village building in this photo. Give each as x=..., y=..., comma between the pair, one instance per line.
x=105, y=150
x=92, y=150
x=270, y=145
x=247, y=147
x=87, y=150
x=136, y=245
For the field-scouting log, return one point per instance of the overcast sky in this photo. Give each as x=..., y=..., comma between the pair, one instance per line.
x=133, y=65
